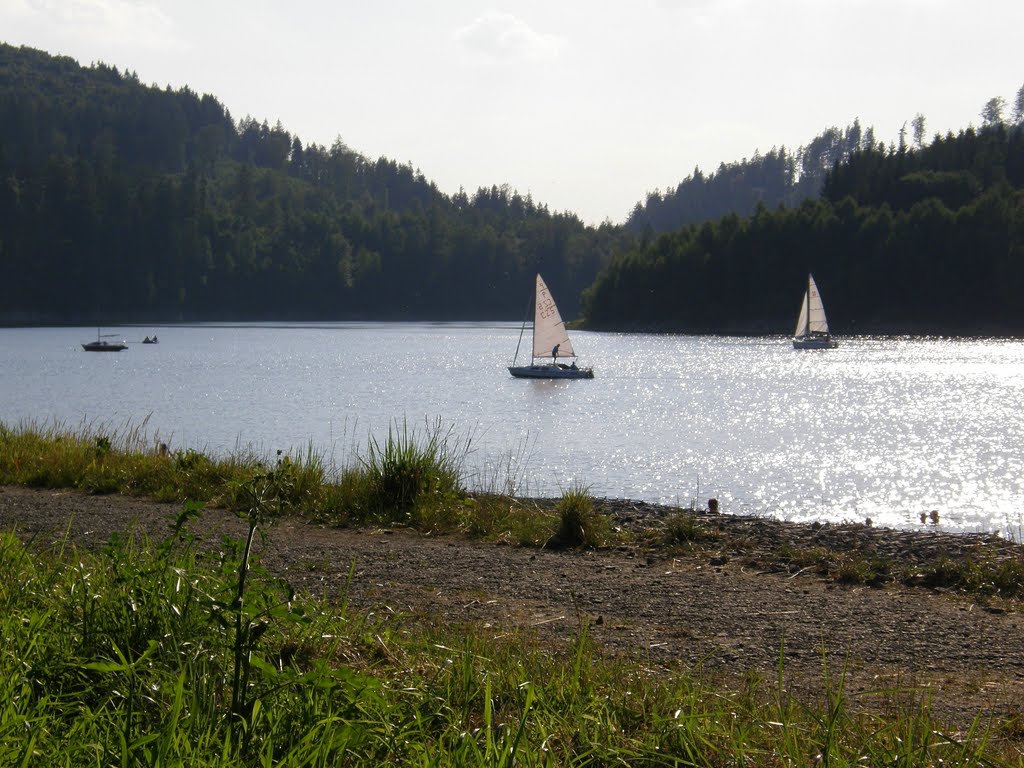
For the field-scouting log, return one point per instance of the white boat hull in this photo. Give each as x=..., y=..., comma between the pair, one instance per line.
x=814, y=342
x=550, y=371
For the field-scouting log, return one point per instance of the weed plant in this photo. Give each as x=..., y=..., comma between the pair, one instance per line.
x=1004, y=578
x=411, y=478
x=579, y=523
x=684, y=527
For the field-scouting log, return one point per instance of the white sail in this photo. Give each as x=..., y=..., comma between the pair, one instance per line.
x=812, y=312
x=801, y=321
x=816, y=320
x=548, y=328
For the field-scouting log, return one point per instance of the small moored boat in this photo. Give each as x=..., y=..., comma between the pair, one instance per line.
x=102, y=345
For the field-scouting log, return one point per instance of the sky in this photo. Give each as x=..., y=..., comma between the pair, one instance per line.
x=585, y=105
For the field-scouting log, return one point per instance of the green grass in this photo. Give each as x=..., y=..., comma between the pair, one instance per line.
x=579, y=524
x=417, y=478
x=100, y=460
x=979, y=573
x=159, y=652
x=124, y=657
x=412, y=477
x=685, y=528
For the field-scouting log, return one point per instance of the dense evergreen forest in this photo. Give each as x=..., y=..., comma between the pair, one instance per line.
x=913, y=238
x=123, y=201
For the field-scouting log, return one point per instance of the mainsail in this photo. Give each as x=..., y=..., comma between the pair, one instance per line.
x=548, y=328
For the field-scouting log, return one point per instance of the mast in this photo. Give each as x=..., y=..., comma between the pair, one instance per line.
x=807, y=327
x=533, y=335
x=522, y=330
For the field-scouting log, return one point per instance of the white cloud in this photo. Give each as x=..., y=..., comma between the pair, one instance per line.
x=691, y=4
x=125, y=24
x=504, y=36
x=15, y=9
x=706, y=6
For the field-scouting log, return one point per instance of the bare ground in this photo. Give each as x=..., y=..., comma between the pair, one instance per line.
x=723, y=614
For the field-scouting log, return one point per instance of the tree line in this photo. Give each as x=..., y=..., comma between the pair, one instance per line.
x=922, y=238
x=120, y=200
x=778, y=177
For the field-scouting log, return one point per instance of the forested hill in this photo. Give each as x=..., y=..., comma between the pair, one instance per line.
x=121, y=201
x=908, y=239
x=779, y=177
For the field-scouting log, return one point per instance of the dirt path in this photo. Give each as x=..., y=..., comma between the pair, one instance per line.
x=722, y=614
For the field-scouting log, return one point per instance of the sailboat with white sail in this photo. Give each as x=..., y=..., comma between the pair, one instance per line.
x=550, y=342
x=812, y=325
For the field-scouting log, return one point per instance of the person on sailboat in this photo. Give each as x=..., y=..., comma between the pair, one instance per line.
x=554, y=353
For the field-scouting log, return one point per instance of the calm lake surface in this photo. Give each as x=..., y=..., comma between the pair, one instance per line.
x=885, y=429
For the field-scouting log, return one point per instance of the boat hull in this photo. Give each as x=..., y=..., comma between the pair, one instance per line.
x=102, y=346
x=814, y=342
x=550, y=372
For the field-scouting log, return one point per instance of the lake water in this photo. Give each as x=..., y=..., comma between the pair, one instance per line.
x=885, y=429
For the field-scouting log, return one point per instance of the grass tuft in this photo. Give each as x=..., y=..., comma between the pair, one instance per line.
x=413, y=479
x=579, y=524
x=685, y=527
